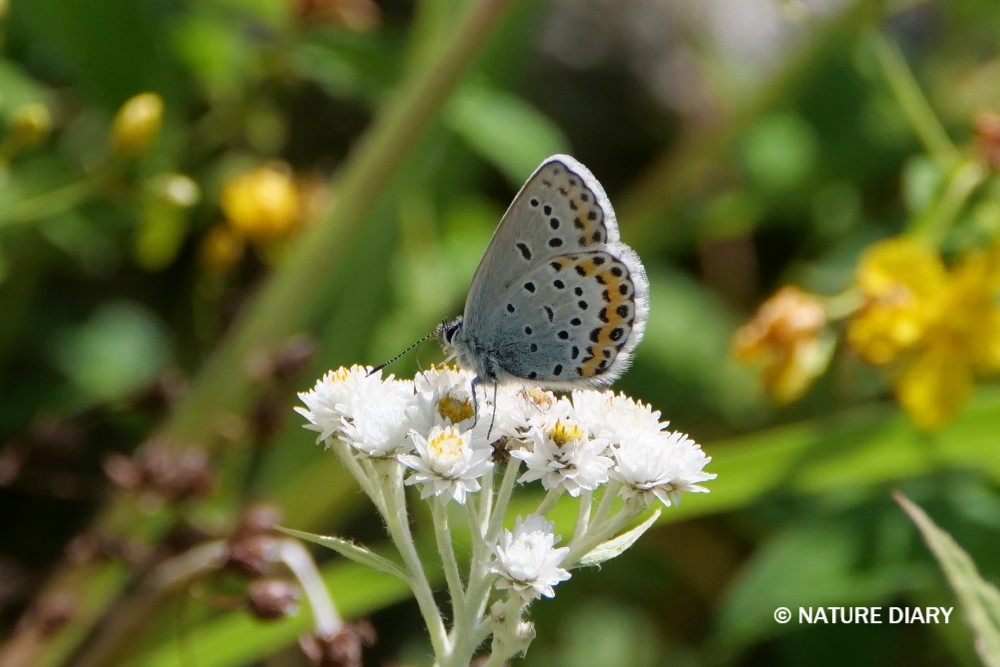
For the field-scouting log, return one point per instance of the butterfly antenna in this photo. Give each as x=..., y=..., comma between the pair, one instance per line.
x=404, y=352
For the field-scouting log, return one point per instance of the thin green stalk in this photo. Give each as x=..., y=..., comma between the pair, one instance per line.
x=965, y=178
x=680, y=169
x=47, y=204
x=912, y=101
x=285, y=298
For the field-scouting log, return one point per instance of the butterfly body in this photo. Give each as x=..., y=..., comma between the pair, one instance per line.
x=558, y=300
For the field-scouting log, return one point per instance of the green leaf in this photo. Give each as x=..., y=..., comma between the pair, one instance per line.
x=235, y=638
x=980, y=600
x=352, y=550
x=822, y=562
x=616, y=546
x=121, y=347
x=360, y=67
x=780, y=151
x=17, y=89
x=503, y=129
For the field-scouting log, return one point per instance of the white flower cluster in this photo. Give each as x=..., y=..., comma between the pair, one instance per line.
x=611, y=452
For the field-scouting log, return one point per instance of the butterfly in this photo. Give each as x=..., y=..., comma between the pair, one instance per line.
x=558, y=301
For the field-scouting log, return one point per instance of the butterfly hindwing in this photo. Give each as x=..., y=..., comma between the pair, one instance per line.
x=571, y=321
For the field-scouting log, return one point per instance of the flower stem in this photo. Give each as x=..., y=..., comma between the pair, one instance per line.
x=550, y=499
x=583, y=514
x=478, y=591
x=601, y=532
x=397, y=522
x=607, y=501
x=325, y=617
x=502, y=500
x=364, y=475
x=442, y=532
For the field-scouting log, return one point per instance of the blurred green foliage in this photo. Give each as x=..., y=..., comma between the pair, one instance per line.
x=745, y=147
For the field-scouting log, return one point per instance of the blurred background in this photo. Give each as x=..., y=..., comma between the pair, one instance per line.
x=204, y=206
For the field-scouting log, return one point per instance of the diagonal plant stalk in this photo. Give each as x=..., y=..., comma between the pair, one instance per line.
x=281, y=307
x=671, y=176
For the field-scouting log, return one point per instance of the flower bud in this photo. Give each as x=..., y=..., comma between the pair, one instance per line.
x=272, y=599
x=262, y=205
x=136, y=124
x=220, y=248
x=176, y=189
x=29, y=126
x=987, y=128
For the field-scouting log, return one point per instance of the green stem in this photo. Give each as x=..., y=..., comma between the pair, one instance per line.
x=550, y=500
x=912, y=101
x=442, y=532
x=502, y=500
x=583, y=513
x=284, y=300
x=46, y=205
x=599, y=533
x=684, y=168
x=965, y=178
x=397, y=522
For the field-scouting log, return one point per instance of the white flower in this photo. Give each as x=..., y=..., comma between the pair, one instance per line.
x=616, y=417
x=661, y=466
x=443, y=397
x=527, y=560
x=562, y=454
x=448, y=463
x=333, y=397
x=363, y=410
x=518, y=408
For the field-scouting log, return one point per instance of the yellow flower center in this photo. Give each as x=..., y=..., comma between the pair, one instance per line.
x=565, y=432
x=541, y=398
x=448, y=444
x=455, y=410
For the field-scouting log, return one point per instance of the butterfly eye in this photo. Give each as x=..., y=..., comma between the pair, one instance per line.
x=448, y=330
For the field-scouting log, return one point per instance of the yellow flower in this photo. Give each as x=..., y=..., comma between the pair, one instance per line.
x=785, y=333
x=262, y=205
x=901, y=281
x=136, y=124
x=938, y=329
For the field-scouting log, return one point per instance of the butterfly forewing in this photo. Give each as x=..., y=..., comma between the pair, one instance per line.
x=558, y=299
x=560, y=209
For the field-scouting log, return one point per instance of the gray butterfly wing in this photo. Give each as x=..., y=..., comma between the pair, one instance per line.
x=558, y=299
